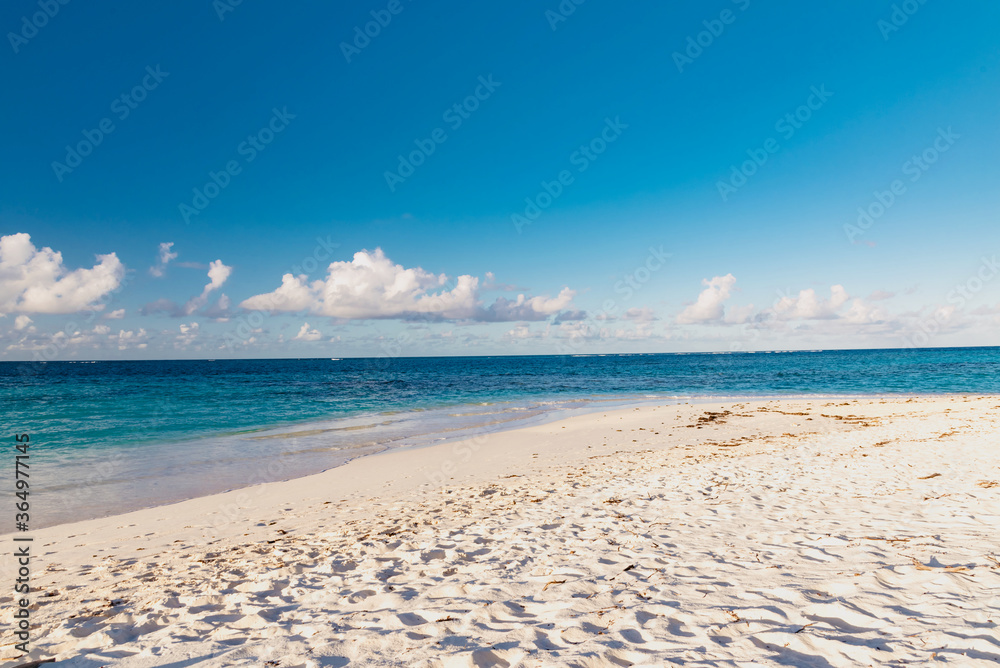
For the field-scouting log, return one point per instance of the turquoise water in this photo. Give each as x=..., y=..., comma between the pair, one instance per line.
x=115, y=436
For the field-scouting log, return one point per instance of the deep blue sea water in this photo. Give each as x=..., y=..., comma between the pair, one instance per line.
x=114, y=436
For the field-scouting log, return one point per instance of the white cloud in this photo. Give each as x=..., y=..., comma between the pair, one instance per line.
x=807, y=306
x=371, y=286
x=640, y=315
x=117, y=314
x=580, y=331
x=219, y=311
x=526, y=308
x=293, y=295
x=491, y=284
x=709, y=305
x=571, y=316
x=35, y=281
x=986, y=310
x=524, y=333
x=738, y=315
x=71, y=344
x=861, y=313
x=307, y=334
x=131, y=339
x=160, y=268
x=187, y=336
x=218, y=273
x=804, y=306
x=642, y=332
x=444, y=336
x=21, y=321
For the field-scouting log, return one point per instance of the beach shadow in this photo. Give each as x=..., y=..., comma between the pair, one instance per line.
x=332, y=661
x=88, y=662
x=187, y=662
x=788, y=657
x=970, y=654
x=966, y=636
x=633, y=636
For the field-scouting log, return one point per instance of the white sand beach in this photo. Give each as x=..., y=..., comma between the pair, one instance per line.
x=822, y=532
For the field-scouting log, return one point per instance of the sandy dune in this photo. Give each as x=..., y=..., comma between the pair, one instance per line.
x=760, y=533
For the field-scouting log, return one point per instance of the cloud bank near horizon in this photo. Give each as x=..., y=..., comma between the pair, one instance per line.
x=373, y=287
x=439, y=313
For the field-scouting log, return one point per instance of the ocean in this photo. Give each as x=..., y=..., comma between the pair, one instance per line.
x=113, y=436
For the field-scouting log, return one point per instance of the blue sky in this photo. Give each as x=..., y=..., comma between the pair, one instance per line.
x=643, y=111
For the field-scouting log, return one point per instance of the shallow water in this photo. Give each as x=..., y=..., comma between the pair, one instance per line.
x=108, y=437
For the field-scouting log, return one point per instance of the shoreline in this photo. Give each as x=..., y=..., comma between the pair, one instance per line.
x=465, y=525
x=589, y=405
x=127, y=435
